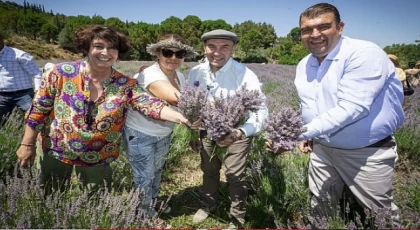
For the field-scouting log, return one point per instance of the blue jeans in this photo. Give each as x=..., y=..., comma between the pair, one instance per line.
x=147, y=155
x=9, y=101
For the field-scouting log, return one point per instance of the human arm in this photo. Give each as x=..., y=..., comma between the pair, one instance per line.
x=165, y=91
x=35, y=119
x=158, y=84
x=154, y=107
x=27, y=151
x=30, y=67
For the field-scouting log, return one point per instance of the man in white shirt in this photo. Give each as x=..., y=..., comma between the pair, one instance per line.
x=221, y=75
x=350, y=100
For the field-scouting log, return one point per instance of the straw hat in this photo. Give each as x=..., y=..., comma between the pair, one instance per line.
x=153, y=49
x=394, y=59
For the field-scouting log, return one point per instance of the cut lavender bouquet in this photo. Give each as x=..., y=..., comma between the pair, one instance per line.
x=283, y=129
x=223, y=114
x=190, y=103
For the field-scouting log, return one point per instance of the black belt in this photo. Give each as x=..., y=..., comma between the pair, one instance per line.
x=30, y=90
x=386, y=142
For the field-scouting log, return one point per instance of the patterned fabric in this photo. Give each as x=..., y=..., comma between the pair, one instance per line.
x=17, y=69
x=59, y=112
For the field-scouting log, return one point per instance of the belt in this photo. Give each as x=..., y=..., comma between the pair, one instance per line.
x=30, y=90
x=386, y=142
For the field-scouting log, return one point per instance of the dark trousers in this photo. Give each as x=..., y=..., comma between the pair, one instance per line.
x=21, y=99
x=235, y=163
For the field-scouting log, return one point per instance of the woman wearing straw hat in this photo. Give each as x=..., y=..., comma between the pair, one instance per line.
x=400, y=72
x=148, y=140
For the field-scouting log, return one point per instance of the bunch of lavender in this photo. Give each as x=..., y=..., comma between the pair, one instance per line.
x=283, y=129
x=250, y=99
x=190, y=103
x=223, y=114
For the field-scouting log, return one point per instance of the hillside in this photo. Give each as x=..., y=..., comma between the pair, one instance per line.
x=40, y=49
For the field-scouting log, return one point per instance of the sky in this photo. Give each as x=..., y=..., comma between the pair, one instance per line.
x=384, y=22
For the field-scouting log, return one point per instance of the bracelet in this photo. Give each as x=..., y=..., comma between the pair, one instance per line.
x=27, y=144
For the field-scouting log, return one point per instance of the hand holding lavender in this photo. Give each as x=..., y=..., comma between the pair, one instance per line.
x=283, y=129
x=190, y=103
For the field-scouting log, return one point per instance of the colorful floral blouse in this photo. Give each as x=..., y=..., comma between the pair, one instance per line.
x=61, y=112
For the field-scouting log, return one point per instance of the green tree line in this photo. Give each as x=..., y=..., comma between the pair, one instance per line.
x=258, y=41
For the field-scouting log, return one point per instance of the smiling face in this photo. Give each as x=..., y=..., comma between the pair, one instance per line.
x=172, y=62
x=218, y=52
x=102, y=54
x=320, y=34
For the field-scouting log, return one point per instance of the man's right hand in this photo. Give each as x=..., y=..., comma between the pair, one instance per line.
x=196, y=125
x=306, y=146
x=26, y=155
x=269, y=147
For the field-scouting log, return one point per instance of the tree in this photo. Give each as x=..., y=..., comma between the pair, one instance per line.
x=191, y=31
x=294, y=35
x=405, y=52
x=31, y=23
x=250, y=40
x=209, y=25
x=116, y=23
x=142, y=34
x=171, y=25
x=268, y=35
x=9, y=21
x=98, y=20
x=49, y=32
x=66, y=39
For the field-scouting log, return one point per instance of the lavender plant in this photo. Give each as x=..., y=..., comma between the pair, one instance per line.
x=283, y=129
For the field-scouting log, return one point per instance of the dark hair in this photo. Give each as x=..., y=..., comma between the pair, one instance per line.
x=320, y=9
x=116, y=38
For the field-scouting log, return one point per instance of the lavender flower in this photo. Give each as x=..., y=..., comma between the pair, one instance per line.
x=191, y=101
x=223, y=114
x=283, y=129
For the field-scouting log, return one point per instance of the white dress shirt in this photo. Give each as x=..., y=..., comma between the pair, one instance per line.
x=226, y=81
x=353, y=98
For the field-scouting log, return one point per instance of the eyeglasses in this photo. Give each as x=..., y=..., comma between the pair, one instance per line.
x=180, y=54
x=89, y=112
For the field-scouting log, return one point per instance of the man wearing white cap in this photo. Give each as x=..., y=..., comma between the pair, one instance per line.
x=221, y=75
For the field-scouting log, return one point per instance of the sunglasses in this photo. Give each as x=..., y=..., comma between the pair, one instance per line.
x=180, y=54
x=89, y=112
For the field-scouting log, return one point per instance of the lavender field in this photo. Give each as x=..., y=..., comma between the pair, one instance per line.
x=279, y=195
